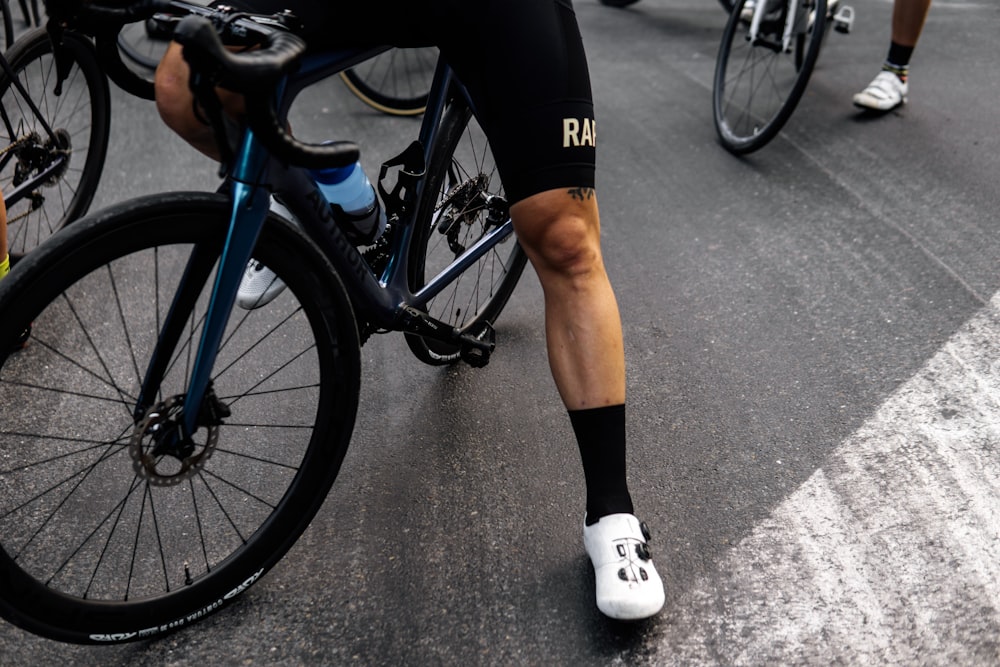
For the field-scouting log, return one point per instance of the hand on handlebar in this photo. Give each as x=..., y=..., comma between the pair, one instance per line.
x=256, y=74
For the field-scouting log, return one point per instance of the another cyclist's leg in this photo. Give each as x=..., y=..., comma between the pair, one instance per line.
x=5, y=267
x=890, y=87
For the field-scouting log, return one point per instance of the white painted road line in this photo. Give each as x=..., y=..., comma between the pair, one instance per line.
x=889, y=554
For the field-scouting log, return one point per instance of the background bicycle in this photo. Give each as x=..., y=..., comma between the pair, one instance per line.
x=766, y=56
x=53, y=135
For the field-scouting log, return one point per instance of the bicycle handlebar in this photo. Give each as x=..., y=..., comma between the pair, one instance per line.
x=253, y=73
x=256, y=74
x=249, y=72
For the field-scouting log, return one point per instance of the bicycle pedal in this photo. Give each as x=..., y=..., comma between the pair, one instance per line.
x=477, y=347
x=843, y=20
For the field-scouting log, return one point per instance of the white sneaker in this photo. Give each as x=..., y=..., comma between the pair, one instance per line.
x=628, y=587
x=885, y=92
x=260, y=285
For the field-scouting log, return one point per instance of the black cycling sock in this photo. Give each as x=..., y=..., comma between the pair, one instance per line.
x=600, y=434
x=898, y=60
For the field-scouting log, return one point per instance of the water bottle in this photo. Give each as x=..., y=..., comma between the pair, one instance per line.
x=352, y=198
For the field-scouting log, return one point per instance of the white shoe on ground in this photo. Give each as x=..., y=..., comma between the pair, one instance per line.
x=885, y=92
x=628, y=587
x=260, y=285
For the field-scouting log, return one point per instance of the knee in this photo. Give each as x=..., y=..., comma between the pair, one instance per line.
x=559, y=235
x=567, y=246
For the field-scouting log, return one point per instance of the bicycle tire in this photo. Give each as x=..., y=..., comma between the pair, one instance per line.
x=103, y=540
x=452, y=217
x=396, y=81
x=757, y=85
x=81, y=120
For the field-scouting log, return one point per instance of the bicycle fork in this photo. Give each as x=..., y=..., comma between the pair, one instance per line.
x=199, y=406
x=797, y=21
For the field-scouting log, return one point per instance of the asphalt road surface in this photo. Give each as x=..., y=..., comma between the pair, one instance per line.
x=813, y=343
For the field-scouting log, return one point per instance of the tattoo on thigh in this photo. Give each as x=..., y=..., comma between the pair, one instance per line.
x=581, y=194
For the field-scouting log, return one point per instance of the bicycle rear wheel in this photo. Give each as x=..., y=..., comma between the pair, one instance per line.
x=396, y=81
x=758, y=83
x=49, y=179
x=464, y=200
x=107, y=532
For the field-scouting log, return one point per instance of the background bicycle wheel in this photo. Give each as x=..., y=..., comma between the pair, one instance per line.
x=79, y=117
x=395, y=82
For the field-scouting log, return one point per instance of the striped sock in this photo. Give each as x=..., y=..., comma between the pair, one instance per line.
x=5, y=266
x=901, y=71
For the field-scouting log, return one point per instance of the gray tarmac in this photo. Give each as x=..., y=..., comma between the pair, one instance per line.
x=812, y=344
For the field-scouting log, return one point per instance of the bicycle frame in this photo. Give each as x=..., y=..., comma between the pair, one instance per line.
x=387, y=300
x=760, y=9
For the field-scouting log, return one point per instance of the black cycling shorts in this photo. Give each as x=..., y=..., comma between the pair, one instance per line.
x=522, y=61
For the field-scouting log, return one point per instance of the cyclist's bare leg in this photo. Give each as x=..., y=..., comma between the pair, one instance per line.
x=560, y=232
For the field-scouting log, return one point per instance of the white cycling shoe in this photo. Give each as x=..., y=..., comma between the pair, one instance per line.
x=628, y=587
x=884, y=93
x=260, y=285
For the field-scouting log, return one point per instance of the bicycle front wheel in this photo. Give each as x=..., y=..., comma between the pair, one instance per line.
x=464, y=200
x=108, y=532
x=395, y=82
x=758, y=82
x=55, y=151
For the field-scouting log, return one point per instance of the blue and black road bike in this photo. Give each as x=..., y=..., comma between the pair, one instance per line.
x=161, y=448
